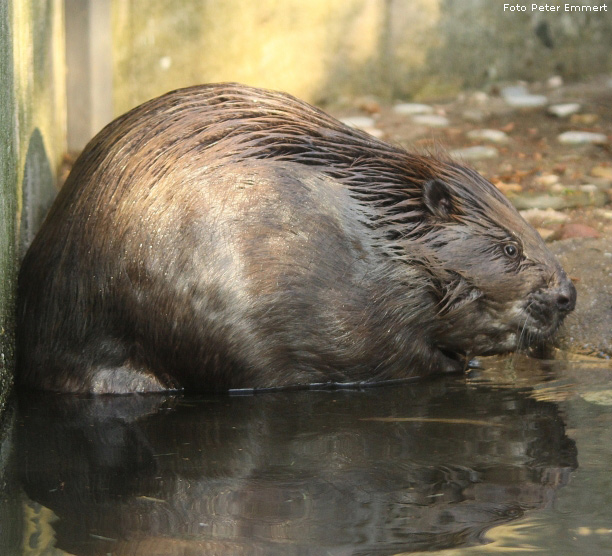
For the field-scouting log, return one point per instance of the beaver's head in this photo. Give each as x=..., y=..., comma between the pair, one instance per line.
x=499, y=287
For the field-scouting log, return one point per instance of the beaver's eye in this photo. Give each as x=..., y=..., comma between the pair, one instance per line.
x=511, y=250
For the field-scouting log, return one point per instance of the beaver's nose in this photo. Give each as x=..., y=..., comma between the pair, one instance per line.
x=566, y=296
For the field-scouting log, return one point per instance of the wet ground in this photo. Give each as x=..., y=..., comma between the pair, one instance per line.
x=514, y=457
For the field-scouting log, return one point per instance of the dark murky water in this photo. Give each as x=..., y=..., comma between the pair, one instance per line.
x=518, y=459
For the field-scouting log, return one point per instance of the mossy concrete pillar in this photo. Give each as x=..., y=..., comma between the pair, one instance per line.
x=8, y=201
x=32, y=142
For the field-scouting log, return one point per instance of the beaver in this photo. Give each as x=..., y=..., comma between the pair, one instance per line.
x=224, y=237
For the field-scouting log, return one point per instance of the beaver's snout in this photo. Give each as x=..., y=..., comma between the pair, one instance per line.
x=565, y=296
x=549, y=307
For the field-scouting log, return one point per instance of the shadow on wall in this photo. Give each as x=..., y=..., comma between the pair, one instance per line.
x=38, y=190
x=436, y=48
x=481, y=41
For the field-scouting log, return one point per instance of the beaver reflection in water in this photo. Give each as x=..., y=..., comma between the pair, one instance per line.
x=224, y=237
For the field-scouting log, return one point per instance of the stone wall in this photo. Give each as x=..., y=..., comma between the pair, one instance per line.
x=322, y=50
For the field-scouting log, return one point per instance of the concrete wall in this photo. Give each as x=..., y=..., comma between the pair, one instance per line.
x=89, y=78
x=322, y=50
x=32, y=140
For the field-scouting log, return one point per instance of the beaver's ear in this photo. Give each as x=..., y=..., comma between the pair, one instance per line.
x=438, y=199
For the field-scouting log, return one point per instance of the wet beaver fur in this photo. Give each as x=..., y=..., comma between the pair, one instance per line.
x=224, y=237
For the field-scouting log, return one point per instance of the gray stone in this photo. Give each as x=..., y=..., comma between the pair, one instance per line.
x=473, y=115
x=359, y=122
x=493, y=135
x=431, y=120
x=519, y=97
x=564, y=110
x=582, y=138
x=547, y=180
x=475, y=153
x=412, y=108
x=480, y=97
x=588, y=330
x=375, y=132
x=571, y=199
x=603, y=213
x=544, y=202
x=538, y=217
x=514, y=91
x=364, y=123
x=602, y=172
x=527, y=101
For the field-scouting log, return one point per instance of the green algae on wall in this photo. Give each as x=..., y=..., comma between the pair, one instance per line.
x=8, y=203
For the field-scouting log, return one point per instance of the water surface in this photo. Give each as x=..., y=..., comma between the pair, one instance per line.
x=515, y=457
